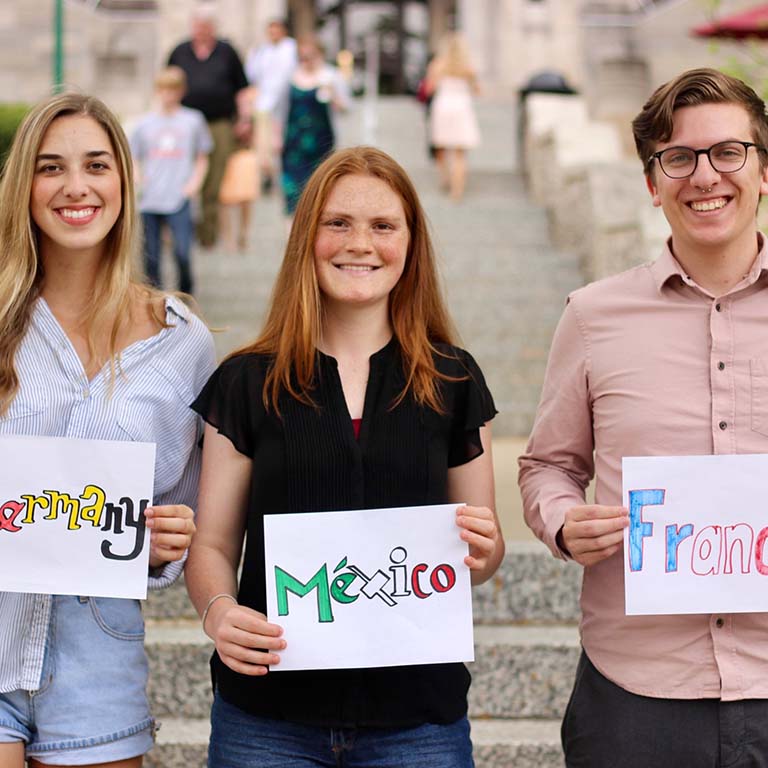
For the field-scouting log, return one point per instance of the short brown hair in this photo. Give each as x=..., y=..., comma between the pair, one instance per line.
x=691, y=88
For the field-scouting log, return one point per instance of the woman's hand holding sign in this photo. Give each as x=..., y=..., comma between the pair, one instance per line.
x=245, y=640
x=172, y=527
x=480, y=531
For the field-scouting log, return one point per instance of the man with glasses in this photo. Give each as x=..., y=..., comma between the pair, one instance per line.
x=669, y=358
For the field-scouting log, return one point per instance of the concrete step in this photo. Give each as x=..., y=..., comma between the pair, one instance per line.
x=182, y=743
x=523, y=671
x=530, y=586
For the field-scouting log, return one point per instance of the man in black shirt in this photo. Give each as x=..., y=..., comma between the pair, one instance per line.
x=217, y=86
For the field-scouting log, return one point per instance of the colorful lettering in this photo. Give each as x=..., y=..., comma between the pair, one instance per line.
x=674, y=536
x=285, y=583
x=8, y=514
x=707, y=550
x=638, y=528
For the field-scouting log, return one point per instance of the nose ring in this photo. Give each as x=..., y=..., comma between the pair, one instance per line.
x=706, y=190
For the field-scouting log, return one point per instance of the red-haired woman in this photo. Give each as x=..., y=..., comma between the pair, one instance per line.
x=354, y=396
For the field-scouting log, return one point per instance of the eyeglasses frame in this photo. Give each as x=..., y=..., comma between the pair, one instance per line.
x=698, y=152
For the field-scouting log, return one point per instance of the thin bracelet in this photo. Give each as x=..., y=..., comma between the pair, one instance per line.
x=210, y=604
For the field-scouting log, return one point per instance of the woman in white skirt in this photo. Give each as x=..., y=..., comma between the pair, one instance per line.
x=452, y=82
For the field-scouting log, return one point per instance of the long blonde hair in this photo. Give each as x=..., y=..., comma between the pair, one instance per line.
x=21, y=269
x=416, y=308
x=453, y=57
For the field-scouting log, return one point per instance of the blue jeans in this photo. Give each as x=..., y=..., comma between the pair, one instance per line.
x=181, y=227
x=241, y=740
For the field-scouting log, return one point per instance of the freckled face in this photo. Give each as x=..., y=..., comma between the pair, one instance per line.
x=361, y=243
x=76, y=190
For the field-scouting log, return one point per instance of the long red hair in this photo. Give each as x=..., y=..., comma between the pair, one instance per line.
x=417, y=311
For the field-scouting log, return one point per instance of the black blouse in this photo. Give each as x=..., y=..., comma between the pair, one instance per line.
x=308, y=460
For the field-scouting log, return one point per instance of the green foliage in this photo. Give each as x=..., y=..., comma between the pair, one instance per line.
x=10, y=117
x=749, y=60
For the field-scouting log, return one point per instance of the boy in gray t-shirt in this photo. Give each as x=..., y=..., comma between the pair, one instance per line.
x=170, y=150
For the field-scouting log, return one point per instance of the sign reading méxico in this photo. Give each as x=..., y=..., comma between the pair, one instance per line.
x=369, y=588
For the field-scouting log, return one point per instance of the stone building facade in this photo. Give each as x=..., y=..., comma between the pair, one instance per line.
x=613, y=51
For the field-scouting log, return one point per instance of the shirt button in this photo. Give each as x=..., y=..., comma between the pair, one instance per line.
x=723, y=425
x=721, y=366
x=720, y=622
x=717, y=306
x=86, y=394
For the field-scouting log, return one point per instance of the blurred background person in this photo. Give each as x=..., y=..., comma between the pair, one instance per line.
x=170, y=149
x=317, y=90
x=217, y=86
x=269, y=68
x=451, y=82
x=238, y=191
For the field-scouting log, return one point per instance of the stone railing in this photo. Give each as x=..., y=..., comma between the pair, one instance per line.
x=596, y=197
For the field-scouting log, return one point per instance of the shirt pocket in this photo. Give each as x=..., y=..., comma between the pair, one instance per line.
x=157, y=411
x=758, y=375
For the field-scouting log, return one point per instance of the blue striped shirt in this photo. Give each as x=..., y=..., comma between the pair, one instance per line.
x=147, y=401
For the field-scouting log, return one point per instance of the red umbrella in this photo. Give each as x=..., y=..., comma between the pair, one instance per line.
x=750, y=23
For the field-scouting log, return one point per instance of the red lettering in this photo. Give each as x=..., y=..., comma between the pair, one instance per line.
x=417, y=569
x=447, y=572
x=762, y=568
x=8, y=514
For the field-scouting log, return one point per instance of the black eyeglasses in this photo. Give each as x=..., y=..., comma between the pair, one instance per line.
x=724, y=157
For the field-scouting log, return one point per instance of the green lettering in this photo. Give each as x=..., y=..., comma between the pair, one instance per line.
x=285, y=583
x=340, y=586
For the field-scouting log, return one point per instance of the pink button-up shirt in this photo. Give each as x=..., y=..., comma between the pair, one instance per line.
x=647, y=363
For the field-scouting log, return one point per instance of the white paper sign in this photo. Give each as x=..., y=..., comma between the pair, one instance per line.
x=72, y=516
x=369, y=588
x=696, y=541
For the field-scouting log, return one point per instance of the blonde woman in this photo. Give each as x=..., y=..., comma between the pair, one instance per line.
x=354, y=396
x=88, y=351
x=451, y=80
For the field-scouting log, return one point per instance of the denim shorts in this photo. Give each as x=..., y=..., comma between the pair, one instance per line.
x=242, y=740
x=92, y=705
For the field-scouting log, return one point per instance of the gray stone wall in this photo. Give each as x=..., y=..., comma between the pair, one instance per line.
x=598, y=204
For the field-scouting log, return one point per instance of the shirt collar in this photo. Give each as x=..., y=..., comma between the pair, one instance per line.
x=175, y=307
x=667, y=266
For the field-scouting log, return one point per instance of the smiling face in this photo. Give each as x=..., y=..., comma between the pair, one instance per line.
x=361, y=243
x=710, y=211
x=76, y=190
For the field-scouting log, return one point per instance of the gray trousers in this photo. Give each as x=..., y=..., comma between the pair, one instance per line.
x=607, y=727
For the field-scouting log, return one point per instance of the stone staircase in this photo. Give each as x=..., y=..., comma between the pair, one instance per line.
x=526, y=648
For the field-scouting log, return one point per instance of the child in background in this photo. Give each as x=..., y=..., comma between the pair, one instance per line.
x=170, y=150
